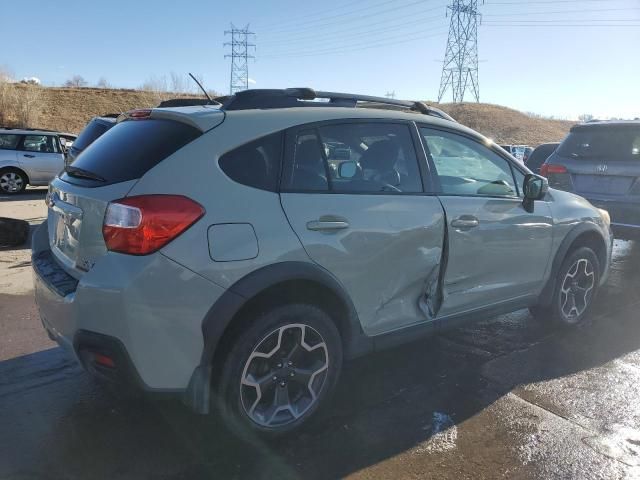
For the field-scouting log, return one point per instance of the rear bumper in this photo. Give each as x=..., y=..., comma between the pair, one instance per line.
x=145, y=313
x=625, y=216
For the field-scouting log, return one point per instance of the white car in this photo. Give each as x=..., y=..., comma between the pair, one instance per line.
x=28, y=157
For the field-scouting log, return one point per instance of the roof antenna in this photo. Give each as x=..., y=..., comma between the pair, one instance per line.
x=211, y=101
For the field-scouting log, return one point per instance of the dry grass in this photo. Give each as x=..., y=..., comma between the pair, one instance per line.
x=507, y=126
x=69, y=109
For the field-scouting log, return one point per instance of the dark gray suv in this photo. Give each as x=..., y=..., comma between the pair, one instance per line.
x=601, y=162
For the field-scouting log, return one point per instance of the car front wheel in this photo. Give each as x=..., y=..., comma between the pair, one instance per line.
x=279, y=371
x=576, y=286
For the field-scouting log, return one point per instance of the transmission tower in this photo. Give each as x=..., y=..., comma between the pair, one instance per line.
x=239, y=57
x=460, y=68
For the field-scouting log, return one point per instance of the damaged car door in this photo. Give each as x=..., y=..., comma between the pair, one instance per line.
x=360, y=212
x=497, y=250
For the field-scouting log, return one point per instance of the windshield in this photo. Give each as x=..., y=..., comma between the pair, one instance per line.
x=618, y=143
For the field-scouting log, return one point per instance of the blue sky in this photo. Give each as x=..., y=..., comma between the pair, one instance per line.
x=535, y=56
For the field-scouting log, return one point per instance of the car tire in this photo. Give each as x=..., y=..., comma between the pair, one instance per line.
x=279, y=370
x=13, y=232
x=576, y=287
x=12, y=181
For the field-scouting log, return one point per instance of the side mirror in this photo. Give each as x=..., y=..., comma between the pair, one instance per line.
x=347, y=169
x=534, y=188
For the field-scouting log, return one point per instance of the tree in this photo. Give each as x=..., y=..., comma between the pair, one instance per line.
x=77, y=81
x=102, y=83
x=585, y=117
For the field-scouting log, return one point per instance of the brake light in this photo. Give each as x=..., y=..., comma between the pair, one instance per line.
x=139, y=114
x=144, y=224
x=548, y=168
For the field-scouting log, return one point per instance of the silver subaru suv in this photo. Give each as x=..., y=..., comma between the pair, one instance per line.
x=237, y=254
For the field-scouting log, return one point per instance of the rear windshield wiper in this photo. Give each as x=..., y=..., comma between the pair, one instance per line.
x=82, y=173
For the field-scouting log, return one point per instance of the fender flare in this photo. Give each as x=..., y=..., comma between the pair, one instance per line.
x=561, y=253
x=220, y=315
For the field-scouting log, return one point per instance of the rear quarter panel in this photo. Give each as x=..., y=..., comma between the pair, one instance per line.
x=193, y=171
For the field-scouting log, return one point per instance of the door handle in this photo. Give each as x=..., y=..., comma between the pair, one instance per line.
x=465, y=221
x=28, y=155
x=321, y=225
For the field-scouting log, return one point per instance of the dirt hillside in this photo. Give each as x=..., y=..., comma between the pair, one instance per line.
x=505, y=125
x=69, y=109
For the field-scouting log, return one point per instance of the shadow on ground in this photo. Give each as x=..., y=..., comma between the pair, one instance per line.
x=57, y=422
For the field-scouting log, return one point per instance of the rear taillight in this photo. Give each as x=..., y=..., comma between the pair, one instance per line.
x=548, y=168
x=143, y=224
x=139, y=114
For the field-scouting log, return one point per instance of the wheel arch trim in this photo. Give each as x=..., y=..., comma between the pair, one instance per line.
x=224, y=310
x=565, y=247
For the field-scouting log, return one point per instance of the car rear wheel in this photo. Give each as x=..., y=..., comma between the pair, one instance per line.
x=12, y=181
x=576, y=287
x=279, y=371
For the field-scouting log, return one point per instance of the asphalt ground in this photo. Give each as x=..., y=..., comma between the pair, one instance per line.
x=503, y=398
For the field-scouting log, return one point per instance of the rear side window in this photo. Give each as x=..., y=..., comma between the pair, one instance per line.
x=367, y=158
x=9, y=142
x=255, y=164
x=617, y=143
x=40, y=143
x=89, y=134
x=131, y=148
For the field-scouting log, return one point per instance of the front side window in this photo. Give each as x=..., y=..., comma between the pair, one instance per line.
x=354, y=158
x=39, y=143
x=465, y=167
x=9, y=141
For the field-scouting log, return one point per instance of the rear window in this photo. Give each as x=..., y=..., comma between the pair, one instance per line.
x=92, y=131
x=9, y=142
x=618, y=143
x=131, y=148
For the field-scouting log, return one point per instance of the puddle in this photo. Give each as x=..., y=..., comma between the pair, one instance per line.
x=444, y=435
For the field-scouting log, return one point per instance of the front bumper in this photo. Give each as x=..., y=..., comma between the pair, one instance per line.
x=150, y=306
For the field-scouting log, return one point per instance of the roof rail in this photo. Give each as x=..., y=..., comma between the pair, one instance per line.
x=302, y=97
x=26, y=129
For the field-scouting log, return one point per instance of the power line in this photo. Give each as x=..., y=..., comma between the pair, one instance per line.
x=535, y=2
x=584, y=10
x=340, y=37
x=460, y=67
x=354, y=30
x=359, y=16
x=361, y=43
x=239, y=57
x=367, y=46
x=314, y=14
x=560, y=25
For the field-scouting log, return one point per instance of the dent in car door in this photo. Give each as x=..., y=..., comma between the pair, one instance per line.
x=502, y=258
x=384, y=248
x=497, y=251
